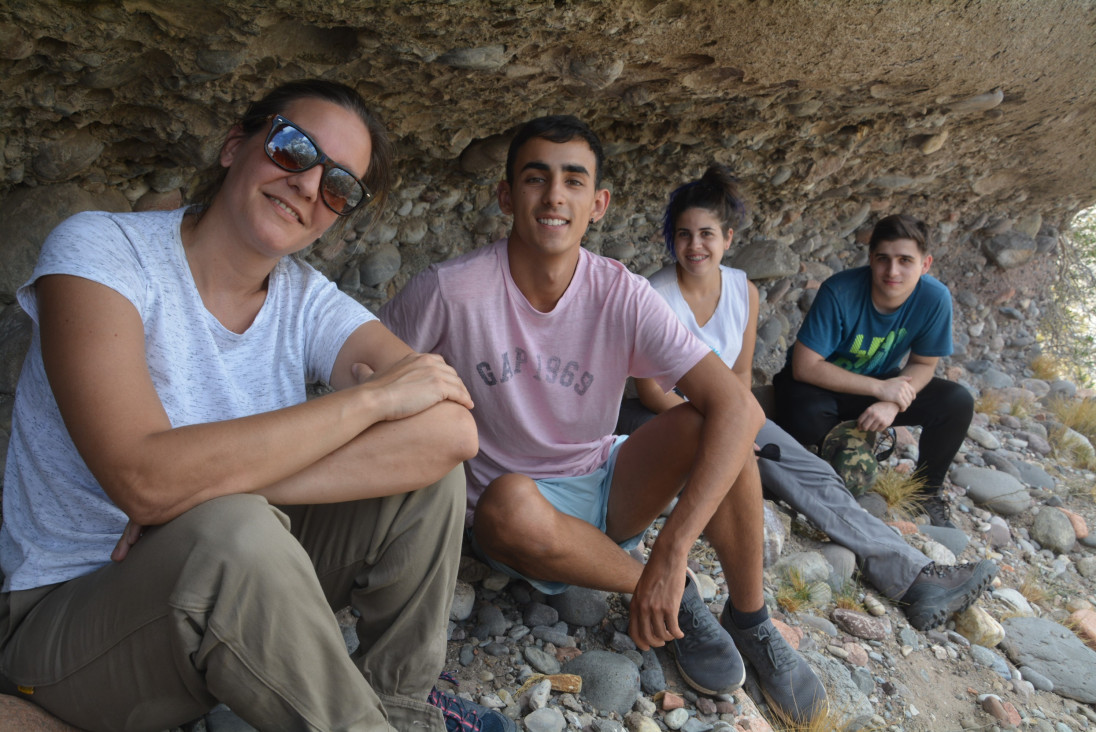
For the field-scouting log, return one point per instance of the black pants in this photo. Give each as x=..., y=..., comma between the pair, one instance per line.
x=943, y=410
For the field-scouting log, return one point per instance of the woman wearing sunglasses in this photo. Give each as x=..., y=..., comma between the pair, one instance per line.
x=163, y=402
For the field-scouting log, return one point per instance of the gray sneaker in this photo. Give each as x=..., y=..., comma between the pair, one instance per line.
x=789, y=685
x=706, y=656
x=939, y=592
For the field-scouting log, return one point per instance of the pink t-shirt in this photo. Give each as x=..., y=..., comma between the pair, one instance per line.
x=546, y=386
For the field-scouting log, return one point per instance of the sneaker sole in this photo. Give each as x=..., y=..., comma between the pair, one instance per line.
x=699, y=687
x=954, y=604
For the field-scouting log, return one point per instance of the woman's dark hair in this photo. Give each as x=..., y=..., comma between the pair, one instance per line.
x=256, y=121
x=716, y=191
x=900, y=226
x=556, y=128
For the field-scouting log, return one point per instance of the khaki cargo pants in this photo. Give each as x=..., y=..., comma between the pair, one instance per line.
x=232, y=602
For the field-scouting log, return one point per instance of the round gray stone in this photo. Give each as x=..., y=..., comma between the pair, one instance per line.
x=997, y=491
x=610, y=681
x=581, y=606
x=1053, y=530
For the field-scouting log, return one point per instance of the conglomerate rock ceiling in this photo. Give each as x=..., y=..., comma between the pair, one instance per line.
x=978, y=116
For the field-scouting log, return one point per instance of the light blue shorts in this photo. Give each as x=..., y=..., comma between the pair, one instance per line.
x=585, y=497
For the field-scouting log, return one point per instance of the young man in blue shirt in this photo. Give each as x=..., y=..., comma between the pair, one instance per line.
x=847, y=362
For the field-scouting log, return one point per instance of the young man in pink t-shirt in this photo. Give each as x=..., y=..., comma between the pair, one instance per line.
x=544, y=335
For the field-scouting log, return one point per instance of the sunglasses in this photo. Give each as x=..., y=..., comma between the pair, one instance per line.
x=290, y=148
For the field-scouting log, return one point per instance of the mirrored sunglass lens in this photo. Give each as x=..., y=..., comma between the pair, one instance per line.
x=341, y=191
x=289, y=148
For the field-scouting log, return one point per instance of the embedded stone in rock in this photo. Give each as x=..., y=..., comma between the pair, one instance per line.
x=979, y=627
x=842, y=562
x=581, y=606
x=483, y=155
x=984, y=437
x=537, y=613
x=380, y=265
x=810, y=567
x=1085, y=622
x=766, y=259
x=1053, y=530
x=1015, y=600
x=1034, y=475
x=849, y=707
x=464, y=597
x=980, y=103
x=956, y=540
x=1009, y=250
x=1054, y=652
x=774, y=536
x=610, y=681
x=484, y=58
x=1080, y=528
x=997, y=491
x=67, y=157
x=542, y=661
x=27, y=215
x=861, y=625
x=548, y=719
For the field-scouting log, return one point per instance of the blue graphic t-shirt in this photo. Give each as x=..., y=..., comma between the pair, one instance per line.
x=844, y=327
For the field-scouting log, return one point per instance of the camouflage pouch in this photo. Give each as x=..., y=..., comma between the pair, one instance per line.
x=851, y=452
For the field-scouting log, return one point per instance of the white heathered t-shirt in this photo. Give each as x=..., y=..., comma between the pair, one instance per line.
x=58, y=523
x=724, y=330
x=546, y=386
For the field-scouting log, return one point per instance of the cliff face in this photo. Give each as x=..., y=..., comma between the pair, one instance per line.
x=977, y=116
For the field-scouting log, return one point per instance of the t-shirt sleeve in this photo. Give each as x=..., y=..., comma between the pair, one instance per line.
x=92, y=245
x=665, y=350
x=334, y=316
x=417, y=313
x=934, y=340
x=821, y=329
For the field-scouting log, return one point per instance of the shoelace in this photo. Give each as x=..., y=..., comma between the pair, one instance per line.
x=454, y=708
x=780, y=654
x=687, y=619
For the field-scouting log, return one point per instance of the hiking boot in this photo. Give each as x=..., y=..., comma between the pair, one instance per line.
x=938, y=512
x=706, y=656
x=939, y=592
x=787, y=682
x=462, y=715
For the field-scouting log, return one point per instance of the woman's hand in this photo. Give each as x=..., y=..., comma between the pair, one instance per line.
x=414, y=383
x=130, y=535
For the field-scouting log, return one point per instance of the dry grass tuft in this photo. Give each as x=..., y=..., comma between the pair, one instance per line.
x=1033, y=589
x=1021, y=407
x=989, y=402
x=1045, y=367
x=1077, y=414
x=903, y=493
x=831, y=721
x=795, y=594
x=1072, y=451
x=849, y=597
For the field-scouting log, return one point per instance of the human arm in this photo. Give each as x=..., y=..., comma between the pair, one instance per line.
x=918, y=371
x=94, y=352
x=811, y=367
x=743, y=365
x=731, y=420
x=652, y=396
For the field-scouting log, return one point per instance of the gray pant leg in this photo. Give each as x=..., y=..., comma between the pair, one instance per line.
x=395, y=560
x=809, y=485
x=220, y=604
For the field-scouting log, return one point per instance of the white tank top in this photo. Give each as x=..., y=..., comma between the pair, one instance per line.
x=724, y=330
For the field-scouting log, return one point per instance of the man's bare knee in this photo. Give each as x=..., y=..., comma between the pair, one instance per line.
x=513, y=519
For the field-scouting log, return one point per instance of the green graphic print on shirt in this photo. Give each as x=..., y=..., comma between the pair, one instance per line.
x=859, y=361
